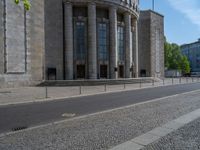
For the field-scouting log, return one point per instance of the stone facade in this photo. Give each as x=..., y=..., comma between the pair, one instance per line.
x=77, y=39
x=21, y=44
x=151, y=44
x=62, y=62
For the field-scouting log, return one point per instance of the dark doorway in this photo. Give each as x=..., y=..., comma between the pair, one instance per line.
x=143, y=73
x=80, y=71
x=103, y=71
x=51, y=73
x=121, y=71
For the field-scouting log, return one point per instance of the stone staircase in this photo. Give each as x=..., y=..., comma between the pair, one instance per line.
x=98, y=82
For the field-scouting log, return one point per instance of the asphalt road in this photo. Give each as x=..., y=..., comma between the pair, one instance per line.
x=34, y=114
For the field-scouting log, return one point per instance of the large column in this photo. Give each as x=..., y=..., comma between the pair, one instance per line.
x=113, y=42
x=92, y=42
x=127, y=18
x=135, y=49
x=68, y=19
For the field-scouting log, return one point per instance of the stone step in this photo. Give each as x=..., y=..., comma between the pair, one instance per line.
x=97, y=82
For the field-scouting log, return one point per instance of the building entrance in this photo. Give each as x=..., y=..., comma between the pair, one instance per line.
x=121, y=71
x=103, y=71
x=80, y=71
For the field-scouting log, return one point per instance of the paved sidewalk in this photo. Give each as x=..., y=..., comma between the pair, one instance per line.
x=34, y=94
x=103, y=130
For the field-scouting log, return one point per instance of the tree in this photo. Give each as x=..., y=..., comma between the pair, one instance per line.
x=174, y=59
x=185, y=65
x=26, y=3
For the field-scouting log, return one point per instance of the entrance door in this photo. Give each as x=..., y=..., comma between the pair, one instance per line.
x=81, y=71
x=121, y=71
x=103, y=71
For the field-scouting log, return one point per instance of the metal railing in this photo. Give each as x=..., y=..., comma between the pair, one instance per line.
x=84, y=90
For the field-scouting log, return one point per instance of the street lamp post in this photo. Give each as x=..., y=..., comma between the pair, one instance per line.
x=153, y=5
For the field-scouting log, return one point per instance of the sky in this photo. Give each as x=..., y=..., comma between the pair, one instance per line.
x=182, y=19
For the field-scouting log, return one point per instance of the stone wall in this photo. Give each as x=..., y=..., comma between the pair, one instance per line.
x=157, y=45
x=54, y=36
x=15, y=50
x=144, y=42
x=21, y=43
x=35, y=41
x=151, y=43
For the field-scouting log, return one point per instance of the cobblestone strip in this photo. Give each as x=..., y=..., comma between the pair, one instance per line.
x=159, y=132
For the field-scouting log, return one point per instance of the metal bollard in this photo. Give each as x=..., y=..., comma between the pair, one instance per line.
x=163, y=81
x=105, y=88
x=187, y=79
x=172, y=80
x=179, y=80
x=46, y=92
x=153, y=82
x=80, y=90
x=124, y=85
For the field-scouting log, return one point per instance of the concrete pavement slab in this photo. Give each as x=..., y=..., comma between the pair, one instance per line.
x=145, y=139
x=128, y=146
x=173, y=125
x=160, y=131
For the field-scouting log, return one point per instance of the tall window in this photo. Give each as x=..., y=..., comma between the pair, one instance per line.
x=102, y=41
x=120, y=36
x=80, y=41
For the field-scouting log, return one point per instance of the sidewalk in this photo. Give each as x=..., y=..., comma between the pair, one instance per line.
x=37, y=94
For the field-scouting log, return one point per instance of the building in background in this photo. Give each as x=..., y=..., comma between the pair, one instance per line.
x=78, y=39
x=151, y=44
x=192, y=52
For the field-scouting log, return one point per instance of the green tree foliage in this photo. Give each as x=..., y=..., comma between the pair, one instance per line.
x=26, y=3
x=174, y=59
x=185, y=65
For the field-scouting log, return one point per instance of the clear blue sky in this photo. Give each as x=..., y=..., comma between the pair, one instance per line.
x=182, y=18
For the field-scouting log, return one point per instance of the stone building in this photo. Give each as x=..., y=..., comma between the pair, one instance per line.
x=151, y=44
x=91, y=39
x=70, y=40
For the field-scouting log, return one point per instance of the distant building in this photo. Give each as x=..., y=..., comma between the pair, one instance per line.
x=151, y=44
x=192, y=52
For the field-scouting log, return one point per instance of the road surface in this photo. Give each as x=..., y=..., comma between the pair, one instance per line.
x=33, y=114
